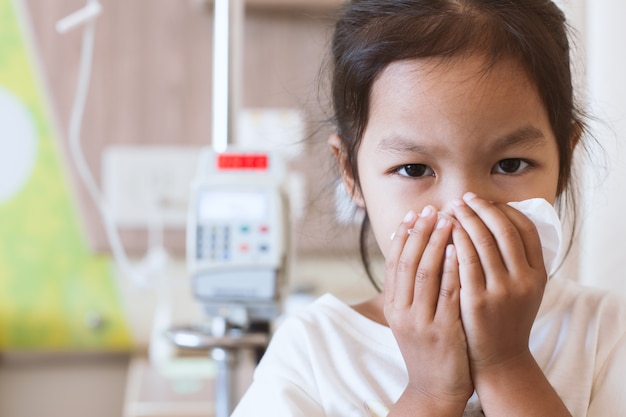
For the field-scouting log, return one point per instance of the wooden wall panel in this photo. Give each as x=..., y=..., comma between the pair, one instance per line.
x=151, y=84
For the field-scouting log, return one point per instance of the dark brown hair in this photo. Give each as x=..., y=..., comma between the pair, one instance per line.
x=371, y=34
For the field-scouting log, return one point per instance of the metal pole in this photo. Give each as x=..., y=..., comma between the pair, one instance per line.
x=227, y=58
x=225, y=380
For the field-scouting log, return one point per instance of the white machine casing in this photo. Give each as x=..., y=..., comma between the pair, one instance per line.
x=237, y=231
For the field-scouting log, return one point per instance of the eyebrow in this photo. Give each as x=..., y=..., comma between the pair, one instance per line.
x=401, y=145
x=526, y=136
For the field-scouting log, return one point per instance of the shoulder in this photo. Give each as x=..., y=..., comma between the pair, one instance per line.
x=597, y=316
x=320, y=362
x=325, y=329
x=595, y=303
x=330, y=321
x=324, y=336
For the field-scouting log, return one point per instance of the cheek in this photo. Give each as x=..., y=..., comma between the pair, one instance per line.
x=384, y=221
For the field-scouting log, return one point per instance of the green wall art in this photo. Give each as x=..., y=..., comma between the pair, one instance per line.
x=52, y=285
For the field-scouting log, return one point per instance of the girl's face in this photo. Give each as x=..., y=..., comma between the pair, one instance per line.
x=439, y=129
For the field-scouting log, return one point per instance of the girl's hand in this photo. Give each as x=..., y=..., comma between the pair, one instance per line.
x=422, y=308
x=502, y=277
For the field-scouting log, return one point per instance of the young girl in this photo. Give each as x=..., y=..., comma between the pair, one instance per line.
x=446, y=110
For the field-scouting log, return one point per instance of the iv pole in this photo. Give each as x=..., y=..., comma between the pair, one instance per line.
x=227, y=70
x=227, y=336
x=228, y=21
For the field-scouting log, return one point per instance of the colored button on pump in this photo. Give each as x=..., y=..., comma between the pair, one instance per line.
x=245, y=229
x=244, y=248
x=264, y=229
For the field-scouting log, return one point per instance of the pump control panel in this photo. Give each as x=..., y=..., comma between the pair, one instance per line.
x=237, y=228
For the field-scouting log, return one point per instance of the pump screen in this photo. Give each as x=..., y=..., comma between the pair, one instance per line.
x=232, y=205
x=243, y=162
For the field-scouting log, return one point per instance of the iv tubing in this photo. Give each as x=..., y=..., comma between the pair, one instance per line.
x=82, y=16
x=74, y=136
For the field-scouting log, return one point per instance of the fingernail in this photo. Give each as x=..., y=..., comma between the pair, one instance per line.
x=410, y=216
x=458, y=202
x=469, y=196
x=449, y=251
x=393, y=236
x=427, y=211
x=442, y=223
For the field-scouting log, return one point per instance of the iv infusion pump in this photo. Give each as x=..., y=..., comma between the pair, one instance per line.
x=236, y=232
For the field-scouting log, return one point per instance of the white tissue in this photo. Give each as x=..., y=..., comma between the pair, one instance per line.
x=545, y=218
x=376, y=409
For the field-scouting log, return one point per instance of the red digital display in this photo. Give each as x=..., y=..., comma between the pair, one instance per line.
x=242, y=161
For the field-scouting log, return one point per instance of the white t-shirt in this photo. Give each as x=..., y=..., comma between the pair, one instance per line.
x=331, y=360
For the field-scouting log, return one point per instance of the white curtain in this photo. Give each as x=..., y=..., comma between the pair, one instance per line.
x=602, y=248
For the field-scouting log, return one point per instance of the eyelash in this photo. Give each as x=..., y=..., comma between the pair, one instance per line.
x=526, y=164
x=404, y=168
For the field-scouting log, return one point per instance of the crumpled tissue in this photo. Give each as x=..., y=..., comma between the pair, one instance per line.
x=548, y=224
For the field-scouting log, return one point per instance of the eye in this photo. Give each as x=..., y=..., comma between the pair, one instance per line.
x=416, y=171
x=511, y=166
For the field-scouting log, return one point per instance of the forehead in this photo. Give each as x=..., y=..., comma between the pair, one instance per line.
x=456, y=98
x=468, y=78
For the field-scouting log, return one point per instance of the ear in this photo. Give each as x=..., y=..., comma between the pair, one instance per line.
x=577, y=133
x=347, y=176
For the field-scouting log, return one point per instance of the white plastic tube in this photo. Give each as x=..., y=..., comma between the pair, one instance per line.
x=79, y=17
x=155, y=262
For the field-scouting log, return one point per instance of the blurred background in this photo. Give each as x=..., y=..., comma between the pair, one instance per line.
x=78, y=336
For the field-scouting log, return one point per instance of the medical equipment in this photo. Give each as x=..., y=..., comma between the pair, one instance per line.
x=237, y=239
x=237, y=258
x=236, y=235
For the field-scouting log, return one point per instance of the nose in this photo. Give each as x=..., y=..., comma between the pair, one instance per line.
x=453, y=188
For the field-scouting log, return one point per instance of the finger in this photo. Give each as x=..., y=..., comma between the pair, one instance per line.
x=409, y=259
x=448, y=305
x=398, y=238
x=506, y=232
x=528, y=234
x=427, y=285
x=471, y=274
x=474, y=219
